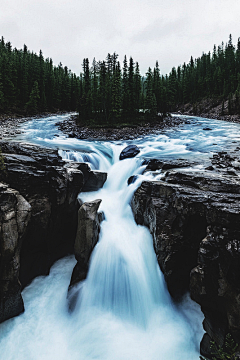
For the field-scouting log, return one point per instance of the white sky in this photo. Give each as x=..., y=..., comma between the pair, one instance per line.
x=169, y=31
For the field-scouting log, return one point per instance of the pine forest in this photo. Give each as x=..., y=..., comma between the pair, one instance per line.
x=108, y=92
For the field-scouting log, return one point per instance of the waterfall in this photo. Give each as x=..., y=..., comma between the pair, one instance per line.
x=124, y=277
x=124, y=311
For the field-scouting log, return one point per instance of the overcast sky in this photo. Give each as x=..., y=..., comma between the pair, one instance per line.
x=169, y=31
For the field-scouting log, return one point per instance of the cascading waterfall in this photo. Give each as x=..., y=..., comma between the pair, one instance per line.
x=123, y=277
x=124, y=311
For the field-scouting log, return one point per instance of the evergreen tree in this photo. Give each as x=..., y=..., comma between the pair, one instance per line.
x=131, y=92
x=157, y=88
x=150, y=102
x=103, y=92
x=116, y=94
x=125, y=97
x=137, y=89
x=1, y=95
x=85, y=107
x=95, y=95
x=32, y=106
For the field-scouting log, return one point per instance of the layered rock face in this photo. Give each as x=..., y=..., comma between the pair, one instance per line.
x=195, y=222
x=48, y=186
x=86, y=238
x=51, y=187
x=15, y=214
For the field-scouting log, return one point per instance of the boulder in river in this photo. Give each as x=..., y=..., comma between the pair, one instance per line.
x=129, y=152
x=95, y=181
x=132, y=179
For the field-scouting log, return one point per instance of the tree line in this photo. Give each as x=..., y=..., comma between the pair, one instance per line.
x=30, y=84
x=108, y=93
x=214, y=75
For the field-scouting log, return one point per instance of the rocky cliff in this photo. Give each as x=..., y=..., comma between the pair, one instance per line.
x=46, y=187
x=15, y=214
x=194, y=218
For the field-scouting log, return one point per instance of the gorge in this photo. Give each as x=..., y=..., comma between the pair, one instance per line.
x=189, y=200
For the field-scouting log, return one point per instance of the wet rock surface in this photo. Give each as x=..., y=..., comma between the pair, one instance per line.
x=194, y=218
x=132, y=179
x=166, y=164
x=15, y=214
x=51, y=187
x=95, y=181
x=48, y=186
x=86, y=238
x=129, y=152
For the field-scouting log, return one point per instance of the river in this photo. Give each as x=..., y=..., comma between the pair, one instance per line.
x=124, y=311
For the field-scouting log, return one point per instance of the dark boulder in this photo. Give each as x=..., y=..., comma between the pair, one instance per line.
x=132, y=179
x=129, y=152
x=95, y=181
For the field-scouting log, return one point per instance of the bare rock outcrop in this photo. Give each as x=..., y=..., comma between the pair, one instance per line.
x=50, y=186
x=15, y=214
x=87, y=237
x=195, y=222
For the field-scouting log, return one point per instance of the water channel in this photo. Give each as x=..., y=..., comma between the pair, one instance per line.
x=124, y=311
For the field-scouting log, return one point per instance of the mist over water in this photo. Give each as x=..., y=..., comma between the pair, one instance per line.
x=124, y=311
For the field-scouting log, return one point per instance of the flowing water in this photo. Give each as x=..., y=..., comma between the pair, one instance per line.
x=124, y=311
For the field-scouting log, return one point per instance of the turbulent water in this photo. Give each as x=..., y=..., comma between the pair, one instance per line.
x=124, y=311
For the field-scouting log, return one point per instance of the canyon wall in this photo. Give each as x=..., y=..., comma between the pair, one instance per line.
x=194, y=218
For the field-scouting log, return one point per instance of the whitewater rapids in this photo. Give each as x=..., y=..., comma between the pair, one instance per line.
x=124, y=311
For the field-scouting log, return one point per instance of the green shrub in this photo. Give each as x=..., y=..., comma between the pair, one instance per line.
x=226, y=352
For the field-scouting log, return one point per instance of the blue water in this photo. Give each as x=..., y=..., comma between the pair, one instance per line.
x=124, y=311
x=186, y=141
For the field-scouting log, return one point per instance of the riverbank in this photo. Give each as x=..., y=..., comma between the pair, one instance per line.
x=210, y=109
x=73, y=130
x=10, y=124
